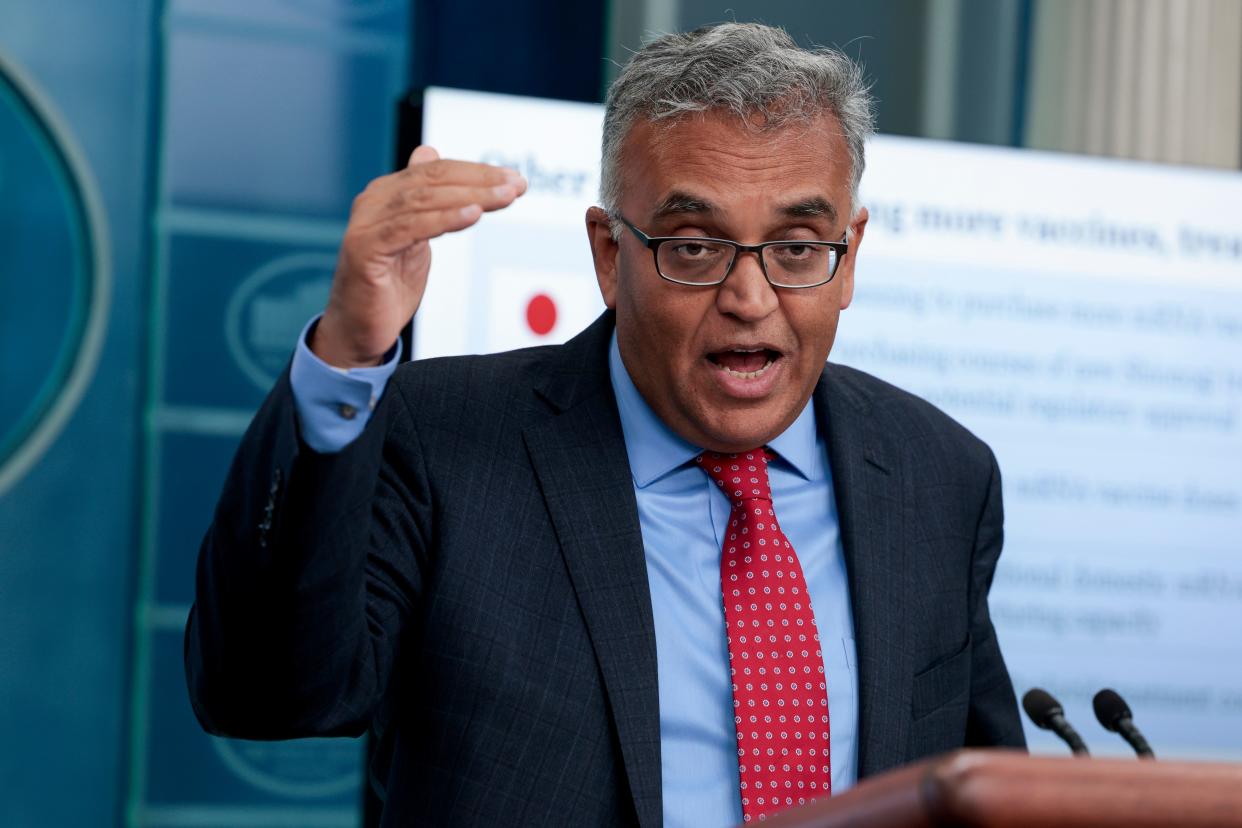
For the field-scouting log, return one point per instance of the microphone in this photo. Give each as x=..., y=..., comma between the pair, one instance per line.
x=1113, y=712
x=1046, y=712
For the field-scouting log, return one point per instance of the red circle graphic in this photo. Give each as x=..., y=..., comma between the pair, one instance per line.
x=541, y=314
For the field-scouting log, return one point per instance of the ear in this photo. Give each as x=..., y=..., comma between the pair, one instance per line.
x=845, y=271
x=604, y=251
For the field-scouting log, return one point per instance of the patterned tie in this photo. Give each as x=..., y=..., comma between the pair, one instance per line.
x=780, y=698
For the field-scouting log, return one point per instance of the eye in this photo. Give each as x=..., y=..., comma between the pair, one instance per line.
x=793, y=253
x=692, y=250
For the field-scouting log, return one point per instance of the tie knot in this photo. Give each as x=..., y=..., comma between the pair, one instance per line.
x=742, y=476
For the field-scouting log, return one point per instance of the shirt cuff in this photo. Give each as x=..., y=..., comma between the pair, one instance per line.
x=334, y=405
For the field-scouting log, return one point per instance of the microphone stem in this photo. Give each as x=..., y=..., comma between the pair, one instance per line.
x=1068, y=735
x=1131, y=734
x=1076, y=744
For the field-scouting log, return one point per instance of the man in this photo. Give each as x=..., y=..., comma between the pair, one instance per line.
x=676, y=570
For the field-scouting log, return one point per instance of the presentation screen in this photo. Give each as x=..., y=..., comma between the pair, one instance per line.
x=1083, y=316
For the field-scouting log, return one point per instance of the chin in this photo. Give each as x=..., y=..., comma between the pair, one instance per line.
x=744, y=430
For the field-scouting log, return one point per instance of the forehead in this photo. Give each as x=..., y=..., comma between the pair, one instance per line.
x=718, y=156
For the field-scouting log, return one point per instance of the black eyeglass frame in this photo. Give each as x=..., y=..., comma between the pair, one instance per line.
x=653, y=244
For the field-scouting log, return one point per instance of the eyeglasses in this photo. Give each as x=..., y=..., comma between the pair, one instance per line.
x=703, y=262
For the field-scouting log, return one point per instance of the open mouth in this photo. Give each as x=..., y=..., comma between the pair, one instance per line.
x=744, y=363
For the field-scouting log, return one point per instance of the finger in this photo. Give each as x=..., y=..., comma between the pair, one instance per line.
x=465, y=173
x=423, y=154
x=415, y=199
x=410, y=188
x=396, y=234
x=390, y=198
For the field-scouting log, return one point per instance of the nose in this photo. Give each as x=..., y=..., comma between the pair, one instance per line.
x=746, y=294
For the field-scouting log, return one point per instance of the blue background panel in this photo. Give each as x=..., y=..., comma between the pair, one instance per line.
x=235, y=308
x=41, y=233
x=69, y=522
x=262, y=123
x=329, y=18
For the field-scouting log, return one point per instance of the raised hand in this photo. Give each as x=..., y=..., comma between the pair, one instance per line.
x=381, y=271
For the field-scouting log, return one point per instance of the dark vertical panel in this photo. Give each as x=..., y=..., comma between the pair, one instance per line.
x=988, y=70
x=551, y=50
x=887, y=38
x=1022, y=67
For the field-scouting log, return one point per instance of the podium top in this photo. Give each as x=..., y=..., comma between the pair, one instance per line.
x=1008, y=789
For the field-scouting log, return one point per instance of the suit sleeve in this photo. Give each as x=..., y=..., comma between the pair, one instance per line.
x=307, y=577
x=993, y=717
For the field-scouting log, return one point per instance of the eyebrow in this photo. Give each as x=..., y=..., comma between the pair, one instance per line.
x=679, y=203
x=814, y=207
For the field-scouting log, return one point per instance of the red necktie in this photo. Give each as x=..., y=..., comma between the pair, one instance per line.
x=780, y=698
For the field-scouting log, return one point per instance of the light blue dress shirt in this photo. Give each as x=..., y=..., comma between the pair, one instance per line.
x=335, y=404
x=682, y=516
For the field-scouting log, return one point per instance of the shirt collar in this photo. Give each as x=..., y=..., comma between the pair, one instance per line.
x=655, y=450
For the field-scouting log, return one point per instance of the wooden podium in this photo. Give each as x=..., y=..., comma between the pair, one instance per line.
x=1008, y=789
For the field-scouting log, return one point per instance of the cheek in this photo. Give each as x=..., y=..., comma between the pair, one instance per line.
x=815, y=328
x=638, y=311
x=637, y=291
x=646, y=334
x=660, y=317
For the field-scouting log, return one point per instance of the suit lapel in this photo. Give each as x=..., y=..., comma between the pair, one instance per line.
x=869, y=489
x=580, y=460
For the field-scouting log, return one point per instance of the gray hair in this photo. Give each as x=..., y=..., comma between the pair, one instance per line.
x=747, y=69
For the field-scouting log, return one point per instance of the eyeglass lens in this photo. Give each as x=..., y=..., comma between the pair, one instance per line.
x=792, y=263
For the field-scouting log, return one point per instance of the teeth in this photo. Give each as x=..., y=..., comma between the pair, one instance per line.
x=745, y=374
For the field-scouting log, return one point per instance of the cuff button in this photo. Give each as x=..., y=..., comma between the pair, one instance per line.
x=348, y=411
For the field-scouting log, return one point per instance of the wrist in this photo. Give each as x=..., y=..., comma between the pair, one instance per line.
x=327, y=342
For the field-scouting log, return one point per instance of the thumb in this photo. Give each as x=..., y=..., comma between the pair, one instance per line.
x=422, y=154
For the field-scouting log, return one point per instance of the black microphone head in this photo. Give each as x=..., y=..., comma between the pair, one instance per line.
x=1041, y=706
x=1110, y=708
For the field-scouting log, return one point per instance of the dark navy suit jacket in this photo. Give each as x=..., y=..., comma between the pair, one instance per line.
x=467, y=580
